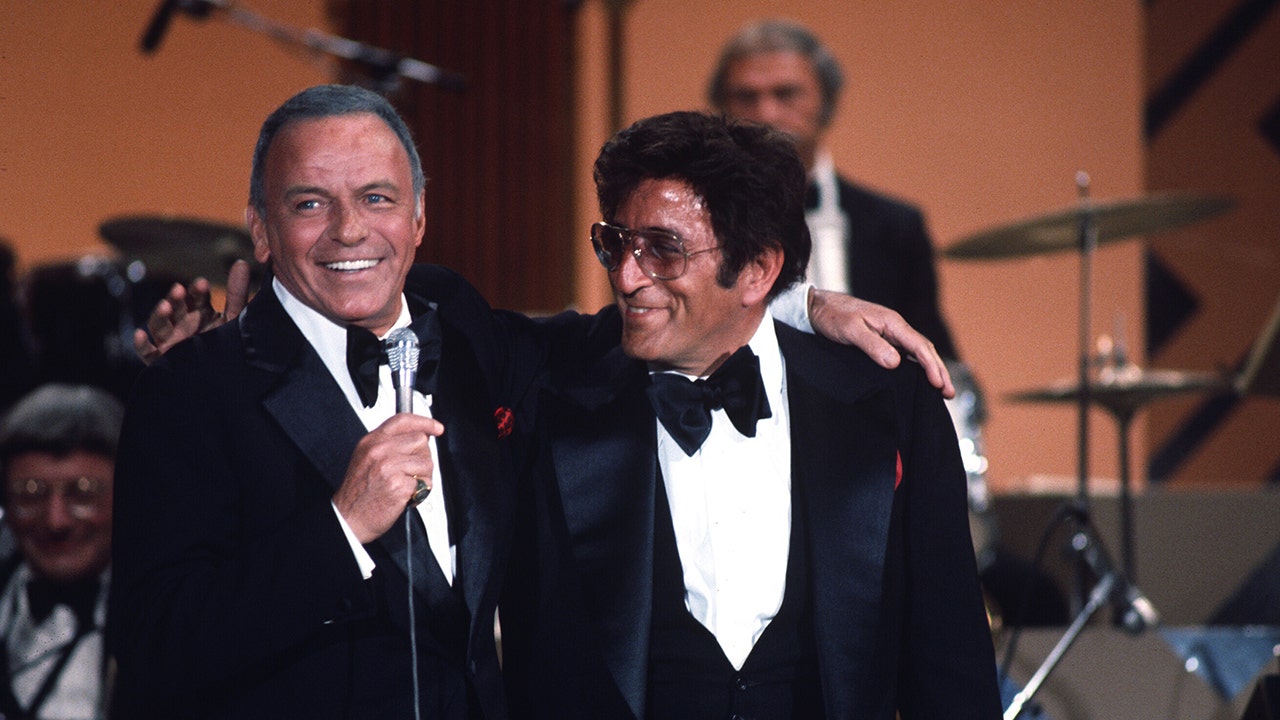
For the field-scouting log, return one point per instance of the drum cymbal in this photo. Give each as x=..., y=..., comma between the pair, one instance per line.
x=183, y=247
x=1124, y=390
x=1114, y=220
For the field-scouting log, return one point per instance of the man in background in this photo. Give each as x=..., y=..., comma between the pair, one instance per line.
x=864, y=243
x=57, y=458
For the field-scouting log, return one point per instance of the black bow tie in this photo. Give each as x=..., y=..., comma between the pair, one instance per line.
x=684, y=406
x=365, y=352
x=81, y=596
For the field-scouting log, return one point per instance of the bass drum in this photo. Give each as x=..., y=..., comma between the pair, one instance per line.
x=968, y=414
x=79, y=318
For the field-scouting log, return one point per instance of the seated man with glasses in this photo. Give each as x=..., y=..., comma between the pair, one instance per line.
x=57, y=457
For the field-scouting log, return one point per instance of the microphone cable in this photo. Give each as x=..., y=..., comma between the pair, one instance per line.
x=413, y=621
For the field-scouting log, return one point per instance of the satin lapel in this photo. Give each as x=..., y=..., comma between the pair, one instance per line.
x=605, y=458
x=306, y=401
x=843, y=458
x=474, y=464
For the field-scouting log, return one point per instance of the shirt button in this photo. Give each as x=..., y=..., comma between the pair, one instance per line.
x=741, y=684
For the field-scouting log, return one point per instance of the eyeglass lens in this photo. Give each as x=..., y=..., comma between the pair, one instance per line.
x=82, y=495
x=660, y=254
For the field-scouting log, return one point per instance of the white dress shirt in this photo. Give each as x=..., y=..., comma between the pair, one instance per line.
x=731, y=509
x=330, y=342
x=34, y=649
x=829, y=229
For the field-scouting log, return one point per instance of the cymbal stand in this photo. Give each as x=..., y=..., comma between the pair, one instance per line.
x=1088, y=244
x=1133, y=612
x=1101, y=594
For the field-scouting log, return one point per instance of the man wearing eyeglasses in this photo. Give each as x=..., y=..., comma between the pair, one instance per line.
x=57, y=452
x=730, y=518
x=268, y=561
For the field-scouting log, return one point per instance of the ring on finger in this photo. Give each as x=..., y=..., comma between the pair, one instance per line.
x=420, y=491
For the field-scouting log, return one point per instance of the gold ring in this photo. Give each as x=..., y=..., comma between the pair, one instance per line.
x=420, y=492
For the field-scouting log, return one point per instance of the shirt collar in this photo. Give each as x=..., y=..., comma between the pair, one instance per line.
x=327, y=337
x=764, y=343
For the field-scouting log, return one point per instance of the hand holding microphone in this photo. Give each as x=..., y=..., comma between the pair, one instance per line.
x=402, y=355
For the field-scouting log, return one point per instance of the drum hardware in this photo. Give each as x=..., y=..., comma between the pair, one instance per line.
x=1115, y=220
x=968, y=413
x=183, y=247
x=1134, y=612
x=1261, y=373
x=1122, y=390
x=1084, y=227
x=79, y=317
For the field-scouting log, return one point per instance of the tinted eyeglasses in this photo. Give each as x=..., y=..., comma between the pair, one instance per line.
x=83, y=496
x=660, y=254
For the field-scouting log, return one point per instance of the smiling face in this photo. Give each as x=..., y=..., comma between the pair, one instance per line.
x=64, y=532
x=342, y=221
x=691, y=323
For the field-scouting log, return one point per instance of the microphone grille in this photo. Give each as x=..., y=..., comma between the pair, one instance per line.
x=402, y=349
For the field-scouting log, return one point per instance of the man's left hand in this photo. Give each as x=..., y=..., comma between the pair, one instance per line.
x=877, y=331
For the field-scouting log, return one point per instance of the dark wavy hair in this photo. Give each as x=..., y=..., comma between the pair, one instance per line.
x=324, y=101
x=749, y=176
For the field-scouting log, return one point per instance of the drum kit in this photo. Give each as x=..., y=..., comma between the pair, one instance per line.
x=1119, y=387
x=80, y=315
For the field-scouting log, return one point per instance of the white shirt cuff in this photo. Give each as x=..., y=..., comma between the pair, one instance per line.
x=791, y=307
x=363, y=558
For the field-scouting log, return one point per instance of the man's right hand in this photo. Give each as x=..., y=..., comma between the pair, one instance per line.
x=382, y=474
x=189, y=311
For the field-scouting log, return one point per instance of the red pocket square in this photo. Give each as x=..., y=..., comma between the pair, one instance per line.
x=897, y=473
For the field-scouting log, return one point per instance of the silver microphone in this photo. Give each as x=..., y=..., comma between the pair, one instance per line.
x=402, y=355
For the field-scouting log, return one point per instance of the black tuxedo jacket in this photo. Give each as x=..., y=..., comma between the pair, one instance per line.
x=896, y=605
x=891, y=260
x=235, y=592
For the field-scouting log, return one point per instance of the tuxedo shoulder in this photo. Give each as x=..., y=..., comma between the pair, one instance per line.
x=843, y=369
x=871, y=196
x=440, y=285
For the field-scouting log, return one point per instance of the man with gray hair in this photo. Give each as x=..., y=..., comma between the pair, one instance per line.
x=780, y=74
x=292, y=541
x=57, y=458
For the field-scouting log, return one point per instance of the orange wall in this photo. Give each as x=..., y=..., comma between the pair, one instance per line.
x=981, y=113
x=90, y=128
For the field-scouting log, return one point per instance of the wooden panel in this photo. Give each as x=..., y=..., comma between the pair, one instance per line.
x=498, y=154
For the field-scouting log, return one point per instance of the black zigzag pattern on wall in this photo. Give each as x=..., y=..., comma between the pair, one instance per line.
x=1162, y=107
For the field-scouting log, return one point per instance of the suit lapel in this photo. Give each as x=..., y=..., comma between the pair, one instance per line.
x=472, y=459
x=843, y=460
x=603, y=446
x=305, y=400
x=310, y=407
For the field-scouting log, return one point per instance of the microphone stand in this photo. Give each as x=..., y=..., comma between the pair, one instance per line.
x=386, y=66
